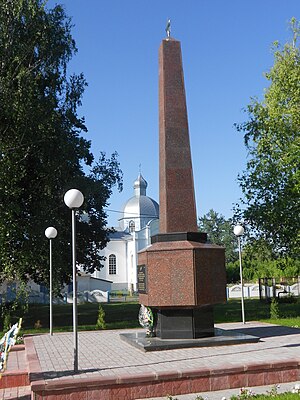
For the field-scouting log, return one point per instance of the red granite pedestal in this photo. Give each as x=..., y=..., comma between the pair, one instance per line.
x=182, y=277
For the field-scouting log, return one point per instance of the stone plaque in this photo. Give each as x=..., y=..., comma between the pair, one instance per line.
x=142, y=278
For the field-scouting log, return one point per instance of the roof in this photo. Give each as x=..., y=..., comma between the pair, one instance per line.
x=141, y=206
x=119, y=235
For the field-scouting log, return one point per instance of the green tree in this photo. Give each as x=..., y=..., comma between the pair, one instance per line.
x=271, y=181
x=259, y=261
x=220, y=231
x=42, y=152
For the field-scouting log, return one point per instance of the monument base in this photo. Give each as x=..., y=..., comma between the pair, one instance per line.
x=181, y=270
x=184, y=323
x=221, y=337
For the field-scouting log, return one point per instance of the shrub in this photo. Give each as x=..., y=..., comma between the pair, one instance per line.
x=100, y=324
x=274, y=309
x=38, y=324
x=6, y=322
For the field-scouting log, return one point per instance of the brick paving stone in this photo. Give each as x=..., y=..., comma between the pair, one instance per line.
x=17, y=361
x=22, y=393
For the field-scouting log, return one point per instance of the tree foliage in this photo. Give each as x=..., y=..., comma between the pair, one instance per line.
x=258, y=257
x=253, y=269
x=260, y=261
x=220, y=231
x=42, y=152
x=271, y=181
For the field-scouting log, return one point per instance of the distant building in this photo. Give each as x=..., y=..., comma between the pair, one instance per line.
x=138, y=223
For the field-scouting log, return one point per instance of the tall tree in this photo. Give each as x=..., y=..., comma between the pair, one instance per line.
x=42, y=152
x=220, y=231
x=271, y=181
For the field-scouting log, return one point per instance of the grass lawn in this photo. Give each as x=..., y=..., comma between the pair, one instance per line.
x=125, y=315
x=256, y=310
x=117, y=316
x=248, y=396
x=282, y=396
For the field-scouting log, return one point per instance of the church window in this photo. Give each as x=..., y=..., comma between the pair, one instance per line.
x=112, y=264
x=131, y=226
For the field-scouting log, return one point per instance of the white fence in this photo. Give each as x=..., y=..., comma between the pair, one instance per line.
x=252, y=290
x=94, y=296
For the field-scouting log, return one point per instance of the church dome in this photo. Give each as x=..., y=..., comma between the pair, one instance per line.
x=141, y=206
x=140, y=185
x=139, y=209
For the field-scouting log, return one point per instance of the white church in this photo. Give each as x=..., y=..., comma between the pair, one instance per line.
x=138, y=223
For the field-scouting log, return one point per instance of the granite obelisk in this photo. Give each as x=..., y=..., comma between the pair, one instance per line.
x=181, y=276
x=176, y=189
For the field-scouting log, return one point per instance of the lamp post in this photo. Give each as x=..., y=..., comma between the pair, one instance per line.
x=239, y=231
x=50, y=233
x=74, y=199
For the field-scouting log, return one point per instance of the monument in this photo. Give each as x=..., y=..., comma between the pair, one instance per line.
x=181, y=276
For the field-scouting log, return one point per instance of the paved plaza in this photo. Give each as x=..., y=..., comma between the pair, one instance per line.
x=106, y=361
x=104, y=353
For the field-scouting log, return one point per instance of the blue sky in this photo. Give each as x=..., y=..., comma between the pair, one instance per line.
x=226, y=48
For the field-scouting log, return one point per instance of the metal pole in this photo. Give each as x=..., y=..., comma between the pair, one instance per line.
x=50, y=300
x=241, y=276
x=75, y=334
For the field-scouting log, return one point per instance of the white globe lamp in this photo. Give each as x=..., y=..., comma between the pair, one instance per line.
x=239, y=230
x=73, y=198
x=50, y=233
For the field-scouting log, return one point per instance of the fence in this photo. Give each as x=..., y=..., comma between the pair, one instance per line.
x=266, y=288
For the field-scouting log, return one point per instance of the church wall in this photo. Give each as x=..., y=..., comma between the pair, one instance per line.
x=128, y=218
x=119, y=280
x=131, y=263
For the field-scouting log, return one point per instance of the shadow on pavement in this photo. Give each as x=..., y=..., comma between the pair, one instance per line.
x=269, y=331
